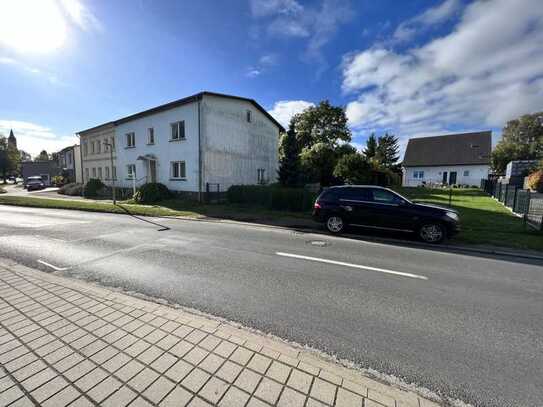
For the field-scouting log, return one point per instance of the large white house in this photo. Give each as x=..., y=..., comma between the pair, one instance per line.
x=207, y=140
x=454, y=159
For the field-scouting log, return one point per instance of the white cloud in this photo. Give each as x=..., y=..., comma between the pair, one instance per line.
x=33, y=138
x=434, y=15
x=51, y=78
x=315, y=24
x=284, y=110
x=265, y=63
x=488, y=70
x=81, y=15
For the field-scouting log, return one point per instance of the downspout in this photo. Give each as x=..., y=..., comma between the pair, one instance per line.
x=199, y=153
x=81, y=160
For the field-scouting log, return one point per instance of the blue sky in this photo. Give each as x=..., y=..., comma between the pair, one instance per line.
x=414, y=68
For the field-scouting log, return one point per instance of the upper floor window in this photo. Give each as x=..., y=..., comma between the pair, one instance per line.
x=249, y=116
x=92, y=147
x=85, y=149
x=150, y=135
x=178, y=130
x=98, y=146
x=112, y=142
x=260, y=174
x=130, y=139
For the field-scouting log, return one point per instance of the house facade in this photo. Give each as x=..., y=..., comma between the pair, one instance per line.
x=69, y=161
x=454, y=159
x=207, y=140
x=95, y=153
x=44, y=169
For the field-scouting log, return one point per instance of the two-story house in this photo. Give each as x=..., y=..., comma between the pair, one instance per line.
x=69, y=161
x=191, y=143
x=95, y=144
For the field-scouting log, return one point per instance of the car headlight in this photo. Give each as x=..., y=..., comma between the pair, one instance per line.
x=453, y=215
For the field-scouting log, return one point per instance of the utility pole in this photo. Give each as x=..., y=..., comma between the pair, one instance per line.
x=110, y=146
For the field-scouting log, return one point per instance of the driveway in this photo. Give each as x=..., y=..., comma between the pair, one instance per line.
x=465, y=326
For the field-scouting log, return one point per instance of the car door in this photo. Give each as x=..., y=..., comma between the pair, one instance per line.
x=357, y=206
x=391, y=211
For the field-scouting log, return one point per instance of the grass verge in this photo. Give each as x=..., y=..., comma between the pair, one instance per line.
x=484, y=220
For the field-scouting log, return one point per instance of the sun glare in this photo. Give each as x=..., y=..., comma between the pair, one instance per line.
x=31, y=25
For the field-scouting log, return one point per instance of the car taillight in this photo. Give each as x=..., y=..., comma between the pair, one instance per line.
x=317, y=205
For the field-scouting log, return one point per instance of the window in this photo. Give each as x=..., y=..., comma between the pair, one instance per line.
x=418, y=174
x=150, y=135
x=92, y=147
x=87, y=174
x=114, y=172
x=178, y=131
x=248, y=116
x=385, y=197
x=466, y=173
x=260, y=175
x=355, y=194
x=69, y=158
x=99, y=172
x=112, y=142
x=107, y=172
x=85, y=149
x=94, y=173
x=106, y=146
x=131, y=171
x=178, y=170
x=130, y=139
x=98, y=146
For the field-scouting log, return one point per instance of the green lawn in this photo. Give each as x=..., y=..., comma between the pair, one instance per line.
x=484, y=220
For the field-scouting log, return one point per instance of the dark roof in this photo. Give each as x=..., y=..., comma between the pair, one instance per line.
x=452, y=149
x=179, y=102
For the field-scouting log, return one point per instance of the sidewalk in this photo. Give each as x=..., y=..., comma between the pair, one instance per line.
x=65, y=342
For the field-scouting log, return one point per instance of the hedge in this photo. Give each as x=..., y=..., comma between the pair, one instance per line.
x=272, y=197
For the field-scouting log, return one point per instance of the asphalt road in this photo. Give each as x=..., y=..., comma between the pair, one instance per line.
x=465, y=326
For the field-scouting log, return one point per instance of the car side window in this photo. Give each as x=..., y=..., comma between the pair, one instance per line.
x=356, y=194
x=384, y=196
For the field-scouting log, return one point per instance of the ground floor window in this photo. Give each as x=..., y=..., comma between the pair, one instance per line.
x=87, y=174
x=261, y=175
x=99, y=172
x=178, y=170
x=94, y=173
x=131, y=171
x=114, y=172
x=418, y=174
x=107, y=172
x=466, y=173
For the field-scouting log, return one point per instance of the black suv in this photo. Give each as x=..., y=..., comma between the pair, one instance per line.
x=375, y=207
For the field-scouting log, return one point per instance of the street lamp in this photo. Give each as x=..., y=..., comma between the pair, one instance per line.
x=110, y=146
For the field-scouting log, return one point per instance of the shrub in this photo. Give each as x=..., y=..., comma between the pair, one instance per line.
x=272, y=197
x=535, y=181
x=152, y=192
x=93, y=186
x=58, y=180
x=72, y=189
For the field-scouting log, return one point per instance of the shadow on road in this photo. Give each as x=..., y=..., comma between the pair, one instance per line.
x=162, y=227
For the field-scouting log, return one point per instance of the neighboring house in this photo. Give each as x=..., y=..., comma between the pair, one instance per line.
x=69, y=161
x=95, y=154
x=454, y=159
x=45, y=169
x=205, y=140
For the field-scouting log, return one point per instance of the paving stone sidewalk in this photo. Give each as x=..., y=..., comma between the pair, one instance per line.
x=68, y=343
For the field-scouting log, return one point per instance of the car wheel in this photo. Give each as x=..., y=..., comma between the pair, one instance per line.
x=335, y=224
x=432, y=232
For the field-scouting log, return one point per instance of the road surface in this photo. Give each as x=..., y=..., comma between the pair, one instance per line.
x=466, y=326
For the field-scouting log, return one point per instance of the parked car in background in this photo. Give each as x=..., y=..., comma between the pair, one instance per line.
x=34, y=183
x=374, y=207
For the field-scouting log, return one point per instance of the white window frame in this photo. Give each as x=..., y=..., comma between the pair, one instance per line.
x=466, y=173
x=92, y=147
x=107, y=172
x=98, y=146
x=94, y=173
x=100, y=173
x=130, y=171
x=260, y=175
x=418, y=174
x=151, y=136
x=180, y=176
x=178, y=126
x=130, y=139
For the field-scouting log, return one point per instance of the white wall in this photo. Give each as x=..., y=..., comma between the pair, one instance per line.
x=233, y=148
x=164, y=149
x=434, y=175
x=97, y=160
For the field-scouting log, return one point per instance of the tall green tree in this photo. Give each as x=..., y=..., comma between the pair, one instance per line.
x=323, y=123
x=9, y=158
x=43, y=156
x=522, y=139
x=388, y=151
x=289, y=158
x=371, y=146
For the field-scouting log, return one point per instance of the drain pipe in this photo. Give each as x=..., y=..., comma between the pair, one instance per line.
x=199, y=153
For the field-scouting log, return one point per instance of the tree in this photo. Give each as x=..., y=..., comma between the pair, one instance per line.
x=353, y=169
x=43, y=156
x=387, y=152
x=289, y=158
x=318, y=163
x=9, y=158
x=522, y=139
x=323, y=123
x=24, y=156
x=371, y=146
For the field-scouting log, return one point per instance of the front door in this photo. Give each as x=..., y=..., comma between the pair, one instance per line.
x=152, y=170
x=452, y=178
x=444, y=177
